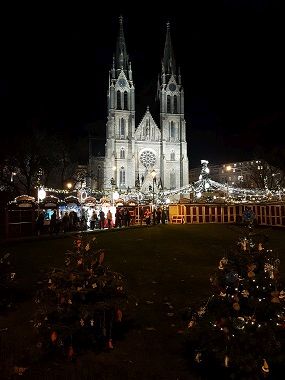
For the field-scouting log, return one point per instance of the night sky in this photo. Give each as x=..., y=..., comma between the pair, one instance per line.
x=55, y=62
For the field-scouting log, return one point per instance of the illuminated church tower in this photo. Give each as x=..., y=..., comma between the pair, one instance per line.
x=134, y=155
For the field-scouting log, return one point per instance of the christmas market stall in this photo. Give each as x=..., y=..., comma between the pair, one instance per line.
x=21, y=216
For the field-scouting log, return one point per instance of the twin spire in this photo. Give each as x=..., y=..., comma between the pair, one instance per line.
x=121, y=59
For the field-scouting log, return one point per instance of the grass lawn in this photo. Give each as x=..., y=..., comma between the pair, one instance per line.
x=167, y=268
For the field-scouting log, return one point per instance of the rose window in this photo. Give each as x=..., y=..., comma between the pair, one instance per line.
x=148, y=158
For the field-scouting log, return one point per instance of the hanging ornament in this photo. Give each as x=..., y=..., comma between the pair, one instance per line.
x=239, y=323
x=198, y=357
x=79, y=262
x=244, y=244
x=275, y=297
x=119, y=315
x=265, y=367
x=101, y=258
x=191, y=324
x=251, y=274
x=282, y=294
x=260, y=247
x=245, y=293
x=227, y=359
x=70, y=353
x=110, y=344
x=53, y=337
x=222, y=263
x=82, y=322
x=236, y=306
x=92, y=322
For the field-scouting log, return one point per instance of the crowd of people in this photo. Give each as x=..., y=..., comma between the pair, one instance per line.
x=70, y=221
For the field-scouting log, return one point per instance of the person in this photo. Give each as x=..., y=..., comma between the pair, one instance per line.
x=147, y=216
x=40, y=223
x=109, y=218
x=127, y=217
x=163, y=216
x=102, y=219
x=52, y=225
x=158, y=215
x=65, y=222
x=118, y=219
x=93, y=220
x=141, y=215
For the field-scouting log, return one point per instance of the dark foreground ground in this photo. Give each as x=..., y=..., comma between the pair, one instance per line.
x=167, y=268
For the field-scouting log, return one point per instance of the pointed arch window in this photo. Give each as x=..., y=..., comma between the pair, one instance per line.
x=122, y=176
x=122, y=128
x=175, y=108
x=168, y=104
x=172, y=180
x=122, y=153
x=126, y=100
x=172, y=155
x=172, y=129
x=119, y=106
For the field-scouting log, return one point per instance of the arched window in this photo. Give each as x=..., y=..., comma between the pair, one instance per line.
x=122, y=129
x=172, y=129
x=126, y=100
x=122, y=176
x=168, y=104
x=172, y=155
x=175, y=109
x=122, y=153
x=119, y=107
x=172, y=180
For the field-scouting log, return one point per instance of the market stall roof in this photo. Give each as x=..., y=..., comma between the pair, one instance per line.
x=72, y=199
x=89, y=201
x=50, y=201
x=22, y=201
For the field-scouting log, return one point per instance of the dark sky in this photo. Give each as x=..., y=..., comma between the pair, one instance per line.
x=55, y=62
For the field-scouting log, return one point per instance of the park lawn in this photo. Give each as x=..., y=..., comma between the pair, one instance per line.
x=167, y=269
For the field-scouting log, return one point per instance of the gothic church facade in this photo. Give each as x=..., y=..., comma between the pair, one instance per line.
x=136, y=155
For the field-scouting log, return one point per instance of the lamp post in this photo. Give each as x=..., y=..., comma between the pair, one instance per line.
x=153, y=174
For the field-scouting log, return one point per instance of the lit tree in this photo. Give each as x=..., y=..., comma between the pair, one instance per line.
x=239, y=331
x=80, y=305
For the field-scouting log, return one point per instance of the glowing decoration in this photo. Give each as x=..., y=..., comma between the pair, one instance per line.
x=41, y=193
x=265, y=367
x=227, y=359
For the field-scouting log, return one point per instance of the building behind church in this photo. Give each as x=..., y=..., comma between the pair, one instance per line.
x=144, y=155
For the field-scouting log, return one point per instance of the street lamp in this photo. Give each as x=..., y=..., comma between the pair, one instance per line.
x=153, y=174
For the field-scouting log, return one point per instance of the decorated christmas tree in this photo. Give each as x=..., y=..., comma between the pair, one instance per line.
x=7, y=279
x=239, y=331
x=80, y=305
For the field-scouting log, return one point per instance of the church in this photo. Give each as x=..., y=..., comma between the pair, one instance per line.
x=147, y=156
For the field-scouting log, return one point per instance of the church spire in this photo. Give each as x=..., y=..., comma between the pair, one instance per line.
x=168, y=61
x=121, y=57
